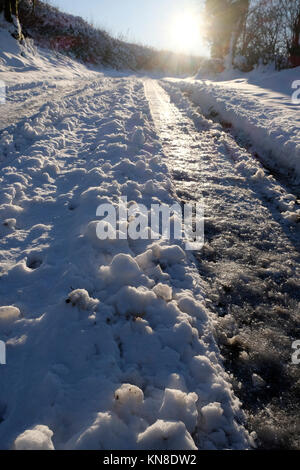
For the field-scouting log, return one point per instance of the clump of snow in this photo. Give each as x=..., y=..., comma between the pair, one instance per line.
x=213, y=418
x=133, y=300
x=107, y=431
x=202, y=368
x=259, y=175
x=8, y=315
x=166, y=435
x=100, y=234
x=168, y=254
x=38, y=438
x=189, y=305
x=138, y=136
x=81, y=299
x=291, y=216
x=180, y=406
x=124, y=266
x=128, y=399
x=123, y=270
x=10, y=223
x=163, y=291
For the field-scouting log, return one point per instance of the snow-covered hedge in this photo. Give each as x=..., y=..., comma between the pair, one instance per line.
x=73, y=36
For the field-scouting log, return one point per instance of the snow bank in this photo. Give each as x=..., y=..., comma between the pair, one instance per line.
x=261, y=107
x=243, y=154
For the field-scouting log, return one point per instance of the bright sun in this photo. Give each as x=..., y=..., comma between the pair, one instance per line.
x=185, y=32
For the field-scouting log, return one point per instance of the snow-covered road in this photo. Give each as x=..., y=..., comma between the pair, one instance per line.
x=250, y=260
x=115, y=344
x=109, y=344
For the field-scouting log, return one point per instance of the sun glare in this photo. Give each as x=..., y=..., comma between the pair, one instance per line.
x=185, y=32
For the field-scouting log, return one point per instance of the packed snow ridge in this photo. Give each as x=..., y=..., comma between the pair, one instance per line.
x=263, y=106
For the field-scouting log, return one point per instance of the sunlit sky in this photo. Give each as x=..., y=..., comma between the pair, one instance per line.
x=165, y=24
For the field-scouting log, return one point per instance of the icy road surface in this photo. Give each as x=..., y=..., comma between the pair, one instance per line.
x=250, y=260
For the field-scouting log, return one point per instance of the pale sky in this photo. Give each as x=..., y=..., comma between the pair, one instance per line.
x=166, y=24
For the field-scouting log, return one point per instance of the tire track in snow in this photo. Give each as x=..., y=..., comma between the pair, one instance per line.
x=250, y=262
x=245, y=142
x=14, y=136
x=16, y=112
x=177, y=140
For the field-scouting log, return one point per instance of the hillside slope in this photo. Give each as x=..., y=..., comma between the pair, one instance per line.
x=71, y=35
